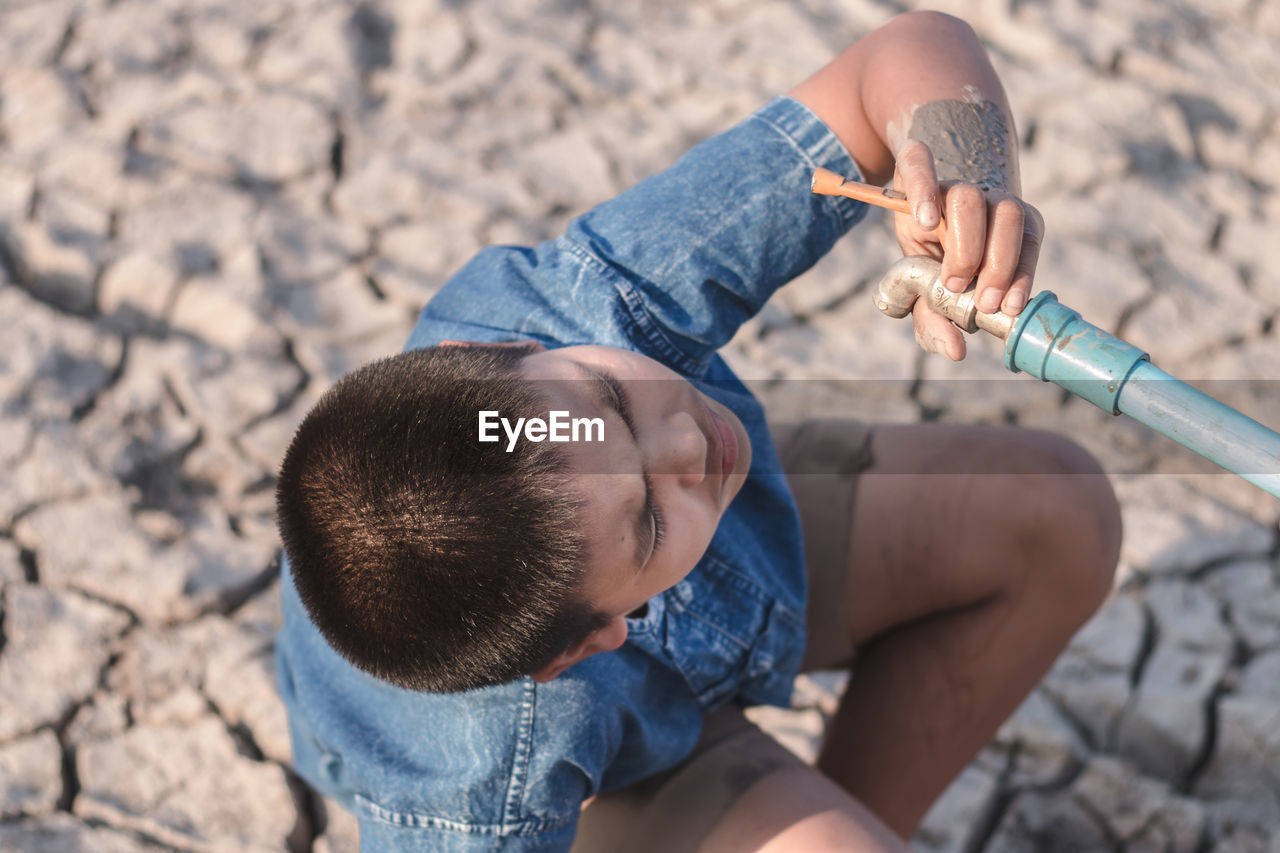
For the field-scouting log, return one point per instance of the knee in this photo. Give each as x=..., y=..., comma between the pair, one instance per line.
x=1066, y=522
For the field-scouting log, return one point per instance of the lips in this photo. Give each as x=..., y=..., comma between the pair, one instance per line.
x=728, y=443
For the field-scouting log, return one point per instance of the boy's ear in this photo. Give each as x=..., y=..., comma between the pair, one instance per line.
x=604, y=639
x=534, y=345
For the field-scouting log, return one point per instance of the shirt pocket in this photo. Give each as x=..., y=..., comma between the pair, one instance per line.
x=725, y=633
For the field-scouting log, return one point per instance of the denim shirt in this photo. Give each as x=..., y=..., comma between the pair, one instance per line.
x=670, y=268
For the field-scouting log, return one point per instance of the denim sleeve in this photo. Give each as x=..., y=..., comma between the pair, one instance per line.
x=673, y=266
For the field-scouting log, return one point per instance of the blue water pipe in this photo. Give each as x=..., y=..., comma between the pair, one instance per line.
x=1052, y=342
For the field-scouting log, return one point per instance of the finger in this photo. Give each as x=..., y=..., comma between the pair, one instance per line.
x=935, y=333
x=913, y=241
x=914, y=174
x=966, y=235
x=1004, y=247
x=1020, y=290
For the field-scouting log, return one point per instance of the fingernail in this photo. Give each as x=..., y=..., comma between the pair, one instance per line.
x=927, y=214
x=1015, y=300
x=989, y=301
x=956, y=284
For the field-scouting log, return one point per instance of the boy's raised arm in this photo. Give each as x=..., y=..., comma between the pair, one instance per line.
x=917, y=100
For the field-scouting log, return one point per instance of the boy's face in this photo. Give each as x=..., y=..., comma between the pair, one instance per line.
x=654, y=489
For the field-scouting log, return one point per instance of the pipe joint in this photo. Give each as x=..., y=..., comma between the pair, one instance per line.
x=918, y=277
x=1052, y=342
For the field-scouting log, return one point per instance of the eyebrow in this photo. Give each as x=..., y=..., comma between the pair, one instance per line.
x=610, y=395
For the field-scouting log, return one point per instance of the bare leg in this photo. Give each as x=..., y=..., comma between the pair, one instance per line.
x=798, y=810
x=961, y=590
x=976, y=554
x=739, y=792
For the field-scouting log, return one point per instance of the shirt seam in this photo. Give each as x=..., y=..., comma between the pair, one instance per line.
x=728, y=572
x=650, y=330
x=522, y=754
x=419, y=820
x=722, y=630
x=505, y=334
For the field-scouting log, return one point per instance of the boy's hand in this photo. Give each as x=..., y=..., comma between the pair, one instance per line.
x=927, y=102
x=991, y=235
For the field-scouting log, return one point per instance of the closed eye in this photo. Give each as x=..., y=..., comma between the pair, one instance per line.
x=615, y=397
x=659, y=523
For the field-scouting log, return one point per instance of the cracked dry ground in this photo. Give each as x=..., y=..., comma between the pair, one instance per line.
x=210, y=211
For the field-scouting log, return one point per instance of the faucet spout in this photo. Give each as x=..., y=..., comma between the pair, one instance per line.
x=917, y=277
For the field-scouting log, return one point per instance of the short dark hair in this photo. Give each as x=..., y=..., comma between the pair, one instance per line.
x=426, y=558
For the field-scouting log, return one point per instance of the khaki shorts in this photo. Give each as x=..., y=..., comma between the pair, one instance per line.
x=675, y=810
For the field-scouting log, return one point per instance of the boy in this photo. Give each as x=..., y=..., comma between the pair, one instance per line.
x=486, y=627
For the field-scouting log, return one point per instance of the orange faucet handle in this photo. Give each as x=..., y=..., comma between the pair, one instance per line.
x=827, y=182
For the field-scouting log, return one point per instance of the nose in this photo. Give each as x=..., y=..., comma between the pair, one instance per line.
x=684, y=449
